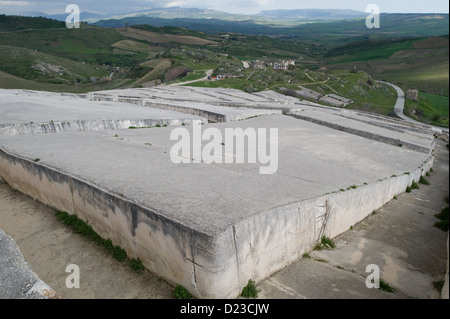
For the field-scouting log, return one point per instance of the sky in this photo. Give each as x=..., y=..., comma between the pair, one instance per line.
x=232, y=6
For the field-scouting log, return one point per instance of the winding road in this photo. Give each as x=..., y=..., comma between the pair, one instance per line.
x=400, y=107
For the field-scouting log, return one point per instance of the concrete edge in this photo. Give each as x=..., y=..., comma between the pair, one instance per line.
x=18, y=281
x=209, y=265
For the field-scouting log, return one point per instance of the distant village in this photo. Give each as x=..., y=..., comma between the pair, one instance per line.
x=282, y=65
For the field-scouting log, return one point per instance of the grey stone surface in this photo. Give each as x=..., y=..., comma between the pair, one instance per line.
x=216, y=222
x=313, y=160
x=17, y=280
x=19, y=106
x=400, y=238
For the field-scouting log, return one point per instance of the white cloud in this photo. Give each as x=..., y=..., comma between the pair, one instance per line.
x=263, y=3
x=175, y=4
x=14, y=3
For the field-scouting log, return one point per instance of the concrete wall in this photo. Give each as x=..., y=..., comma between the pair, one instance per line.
x=444, y=293
x=209, y=266
x=372, y=136
x=86, y=125
x=211, y=116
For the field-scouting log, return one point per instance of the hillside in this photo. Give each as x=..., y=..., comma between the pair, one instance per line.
x=36, y=53
x=16, y=23
x=420, y=63
x=328, y=33
x=312, y=14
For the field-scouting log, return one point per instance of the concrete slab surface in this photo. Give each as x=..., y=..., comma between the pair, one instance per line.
x=19, y=106
x=313, y=161
x=337, y=274
x=400, y=238
x=213, y=237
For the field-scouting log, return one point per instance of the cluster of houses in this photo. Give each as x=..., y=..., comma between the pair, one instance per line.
x=257, y=65
x=222, y=77
x=279, y=65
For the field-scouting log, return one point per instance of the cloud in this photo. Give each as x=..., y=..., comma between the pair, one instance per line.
x=175, y=4
x=14, y=3
x=263, y=3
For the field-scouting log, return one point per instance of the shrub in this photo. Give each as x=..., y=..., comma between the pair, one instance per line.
x=327, y=243
x=119, y=253
x=444, y=218
x=424, y=181
x=385, y=287
x=136, y=264
x=181, y=293
x=250, y=291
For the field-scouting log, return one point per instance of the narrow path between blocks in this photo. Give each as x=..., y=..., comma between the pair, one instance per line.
x=400, y=239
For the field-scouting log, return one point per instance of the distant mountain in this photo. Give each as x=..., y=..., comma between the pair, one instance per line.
x=62, y=17
x=339, y=31
x=278, y=17
x=178, y=13
x=312, y=14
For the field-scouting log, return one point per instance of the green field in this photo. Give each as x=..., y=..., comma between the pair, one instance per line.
x=238, y=84
x=332, y=57
x=368, y=50
x=430, y=108
x=360, y=87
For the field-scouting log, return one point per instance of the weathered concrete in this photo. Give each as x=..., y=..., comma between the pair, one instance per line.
x=214, y=237
x=445, y=289
x=219, y=234
x=30, y=112
x=400, y=239
x=213, y=113
x=17, y=280
x=49, y=247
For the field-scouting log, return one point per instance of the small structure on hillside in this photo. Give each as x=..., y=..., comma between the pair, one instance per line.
x=412, y=95
x=283, y=65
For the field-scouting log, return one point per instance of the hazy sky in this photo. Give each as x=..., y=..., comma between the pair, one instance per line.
x=233, y=6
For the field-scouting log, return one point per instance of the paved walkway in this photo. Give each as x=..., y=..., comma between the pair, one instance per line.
x=400, y=239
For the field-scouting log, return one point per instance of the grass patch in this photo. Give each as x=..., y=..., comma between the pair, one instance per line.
x=414, y=185
x=430, y=108
x=306, y=256
x=250, y=291
x=181, y=293
x=424, y=181
x=443, y=219
x=325, y=243
x=438, y=285
x=119, y=253
x=385, y=287
x=81, y=227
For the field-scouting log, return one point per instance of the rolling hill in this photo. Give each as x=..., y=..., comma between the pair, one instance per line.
x=338, y=56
